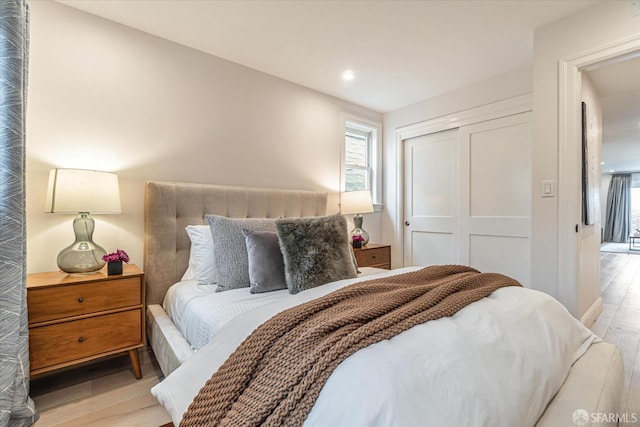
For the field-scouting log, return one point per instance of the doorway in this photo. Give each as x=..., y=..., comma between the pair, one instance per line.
x=579, y=296
x=618, y=87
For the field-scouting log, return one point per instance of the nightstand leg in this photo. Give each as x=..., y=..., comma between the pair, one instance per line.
x=135, y=363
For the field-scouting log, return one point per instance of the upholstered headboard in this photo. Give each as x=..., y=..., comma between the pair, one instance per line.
x=169, y=207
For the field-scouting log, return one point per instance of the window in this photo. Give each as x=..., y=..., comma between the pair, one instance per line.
x=357, y=161
x=635, y=203
x=361, y=154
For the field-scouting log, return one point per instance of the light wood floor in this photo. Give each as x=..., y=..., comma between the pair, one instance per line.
x=107, y=394
x=100, y=394
x=619, y=322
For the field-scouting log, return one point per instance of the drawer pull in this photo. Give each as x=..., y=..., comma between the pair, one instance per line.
x=81, y=339
x=373, y=256
x=80, y=299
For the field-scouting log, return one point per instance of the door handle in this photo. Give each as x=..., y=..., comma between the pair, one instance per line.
x=407, y=223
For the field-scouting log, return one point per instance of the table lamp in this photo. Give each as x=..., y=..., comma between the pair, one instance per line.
x=357, y=202
x=82, y=192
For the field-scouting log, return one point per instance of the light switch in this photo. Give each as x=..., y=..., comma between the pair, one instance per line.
x=548, y=189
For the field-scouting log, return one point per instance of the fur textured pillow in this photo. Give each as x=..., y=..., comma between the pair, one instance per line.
x=315, y=251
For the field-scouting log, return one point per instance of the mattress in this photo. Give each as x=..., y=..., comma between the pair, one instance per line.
x=200, y=313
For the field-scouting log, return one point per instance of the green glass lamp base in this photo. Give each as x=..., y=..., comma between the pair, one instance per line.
x=83, y=255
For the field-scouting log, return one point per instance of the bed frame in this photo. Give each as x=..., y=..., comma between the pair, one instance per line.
x=595, y=382
x=168, y=208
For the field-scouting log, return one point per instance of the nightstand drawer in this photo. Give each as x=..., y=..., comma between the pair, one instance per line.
x=374, y=257
x=57, y=302
x=68, y=341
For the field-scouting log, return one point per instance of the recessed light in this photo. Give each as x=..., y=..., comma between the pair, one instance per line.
x=348, y=75
x=611, y=171
x=602, y=163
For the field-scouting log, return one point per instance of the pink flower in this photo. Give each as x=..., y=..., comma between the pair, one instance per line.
x=118, y=255
x=357, y=238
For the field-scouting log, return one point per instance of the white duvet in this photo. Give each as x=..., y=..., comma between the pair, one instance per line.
x=497, y=362
x=199, y=312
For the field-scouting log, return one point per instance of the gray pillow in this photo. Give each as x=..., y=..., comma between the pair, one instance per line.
x=315, y=251
x=230, y=251
x=266, y=266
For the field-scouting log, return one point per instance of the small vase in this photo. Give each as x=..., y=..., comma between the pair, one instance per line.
x=114, y=268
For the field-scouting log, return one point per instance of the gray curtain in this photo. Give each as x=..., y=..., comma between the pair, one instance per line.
x=16, y=408
x=618, y=209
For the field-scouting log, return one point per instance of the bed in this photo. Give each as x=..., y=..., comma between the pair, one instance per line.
x=584, y=378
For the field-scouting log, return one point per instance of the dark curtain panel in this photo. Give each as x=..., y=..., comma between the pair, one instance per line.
x=16, y=408
x=618, y=218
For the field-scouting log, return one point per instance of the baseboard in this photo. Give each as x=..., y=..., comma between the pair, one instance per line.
x=592, y=313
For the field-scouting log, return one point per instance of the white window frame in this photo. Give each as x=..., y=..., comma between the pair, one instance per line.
x=373, y=131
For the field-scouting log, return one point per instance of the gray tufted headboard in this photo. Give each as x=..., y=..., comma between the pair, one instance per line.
x=169, y=207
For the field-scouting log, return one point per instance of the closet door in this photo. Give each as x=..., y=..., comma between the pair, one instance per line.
x=467, y=197
x=431, y=199
x=495, y=196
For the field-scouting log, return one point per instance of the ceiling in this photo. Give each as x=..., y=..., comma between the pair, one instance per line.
x=618, y=85
x=400, y=51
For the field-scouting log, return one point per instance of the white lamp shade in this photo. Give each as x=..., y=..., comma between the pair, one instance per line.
x=72, y=191
x=356, y=202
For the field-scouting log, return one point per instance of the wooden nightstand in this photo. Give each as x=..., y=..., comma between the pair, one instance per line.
x=76, y=318
x=374, y=255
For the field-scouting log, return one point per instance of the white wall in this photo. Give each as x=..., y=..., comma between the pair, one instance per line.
x=107, y=97
x=502, y=87
x=589, y=290
x=596, y=27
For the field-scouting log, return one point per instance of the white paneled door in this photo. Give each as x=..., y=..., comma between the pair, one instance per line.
x=431, y=199
x=468, y=197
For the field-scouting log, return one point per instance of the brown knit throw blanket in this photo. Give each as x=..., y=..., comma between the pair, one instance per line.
x=274, y=377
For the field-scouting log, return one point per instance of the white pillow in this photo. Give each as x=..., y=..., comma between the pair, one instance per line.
x=189, y=274
x=201, y=262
